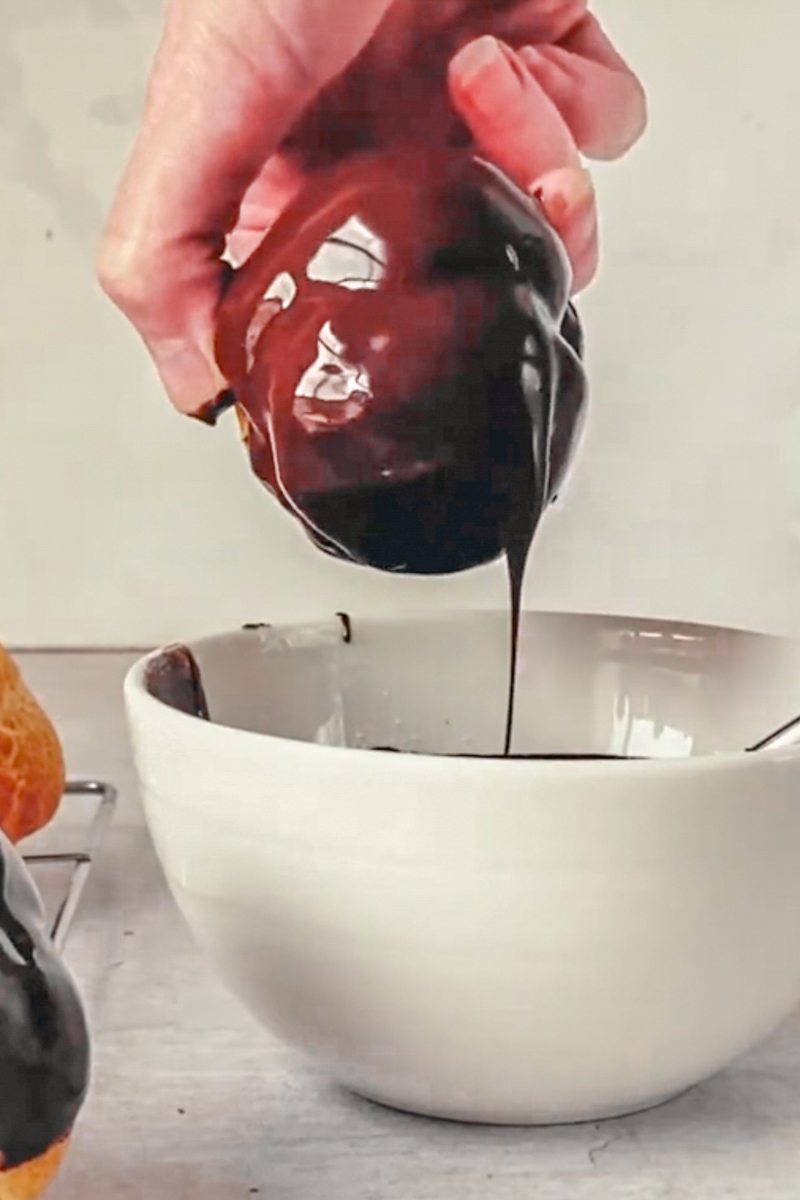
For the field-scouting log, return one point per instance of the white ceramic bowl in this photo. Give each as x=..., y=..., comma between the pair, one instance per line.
x=509, y=942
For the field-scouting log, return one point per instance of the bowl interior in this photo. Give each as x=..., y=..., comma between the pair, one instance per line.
x=587, y=684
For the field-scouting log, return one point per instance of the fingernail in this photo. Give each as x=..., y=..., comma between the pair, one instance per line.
x=484, y=69
x=563, y=192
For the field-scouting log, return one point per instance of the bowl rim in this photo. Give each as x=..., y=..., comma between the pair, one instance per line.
x=135, y=692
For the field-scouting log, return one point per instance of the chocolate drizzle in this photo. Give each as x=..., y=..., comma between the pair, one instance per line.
x=44, y=1044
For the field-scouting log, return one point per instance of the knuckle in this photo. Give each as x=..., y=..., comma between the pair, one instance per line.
x=123, y=276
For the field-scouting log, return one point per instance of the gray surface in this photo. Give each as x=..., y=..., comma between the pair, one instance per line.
x=191, y=1099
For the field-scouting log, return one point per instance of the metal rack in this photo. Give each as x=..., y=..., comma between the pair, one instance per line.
x=81, y=859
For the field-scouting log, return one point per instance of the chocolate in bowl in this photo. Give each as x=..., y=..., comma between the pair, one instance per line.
x=508, y=757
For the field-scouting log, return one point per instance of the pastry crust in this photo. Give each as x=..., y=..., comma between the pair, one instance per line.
x=30, y=1180
x=31, y=759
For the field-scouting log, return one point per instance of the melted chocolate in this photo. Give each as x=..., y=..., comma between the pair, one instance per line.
x=174, y=677
x=407, y=365
x=44, y=1045
x=508, y=757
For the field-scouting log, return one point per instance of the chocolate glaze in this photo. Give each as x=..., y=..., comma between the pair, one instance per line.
x=44, y=1044
x=407, y=364
x=174, y=677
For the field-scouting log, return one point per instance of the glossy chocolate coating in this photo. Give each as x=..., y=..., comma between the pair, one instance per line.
x=403, y=351
x=44, y=1043
x=173, y=676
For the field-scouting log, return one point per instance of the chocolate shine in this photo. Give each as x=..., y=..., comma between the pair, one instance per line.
x=407, y=365
x=44, y=1044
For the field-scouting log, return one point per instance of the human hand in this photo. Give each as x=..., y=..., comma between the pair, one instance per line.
x=247, y=96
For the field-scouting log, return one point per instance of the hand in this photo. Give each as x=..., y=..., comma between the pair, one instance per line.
x=247, y=96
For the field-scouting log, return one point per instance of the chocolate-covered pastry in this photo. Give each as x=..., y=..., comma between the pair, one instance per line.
x=403, y=352
x=44, y=1044
x=407, y=364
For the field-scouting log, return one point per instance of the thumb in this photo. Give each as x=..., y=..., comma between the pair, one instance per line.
x=230, y=78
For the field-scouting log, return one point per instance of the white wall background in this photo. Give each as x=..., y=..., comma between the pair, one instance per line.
x=122, y=523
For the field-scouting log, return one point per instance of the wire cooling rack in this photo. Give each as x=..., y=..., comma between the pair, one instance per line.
x=80, y=860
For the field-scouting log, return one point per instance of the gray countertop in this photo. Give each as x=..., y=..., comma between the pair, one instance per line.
x=192, y=1100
